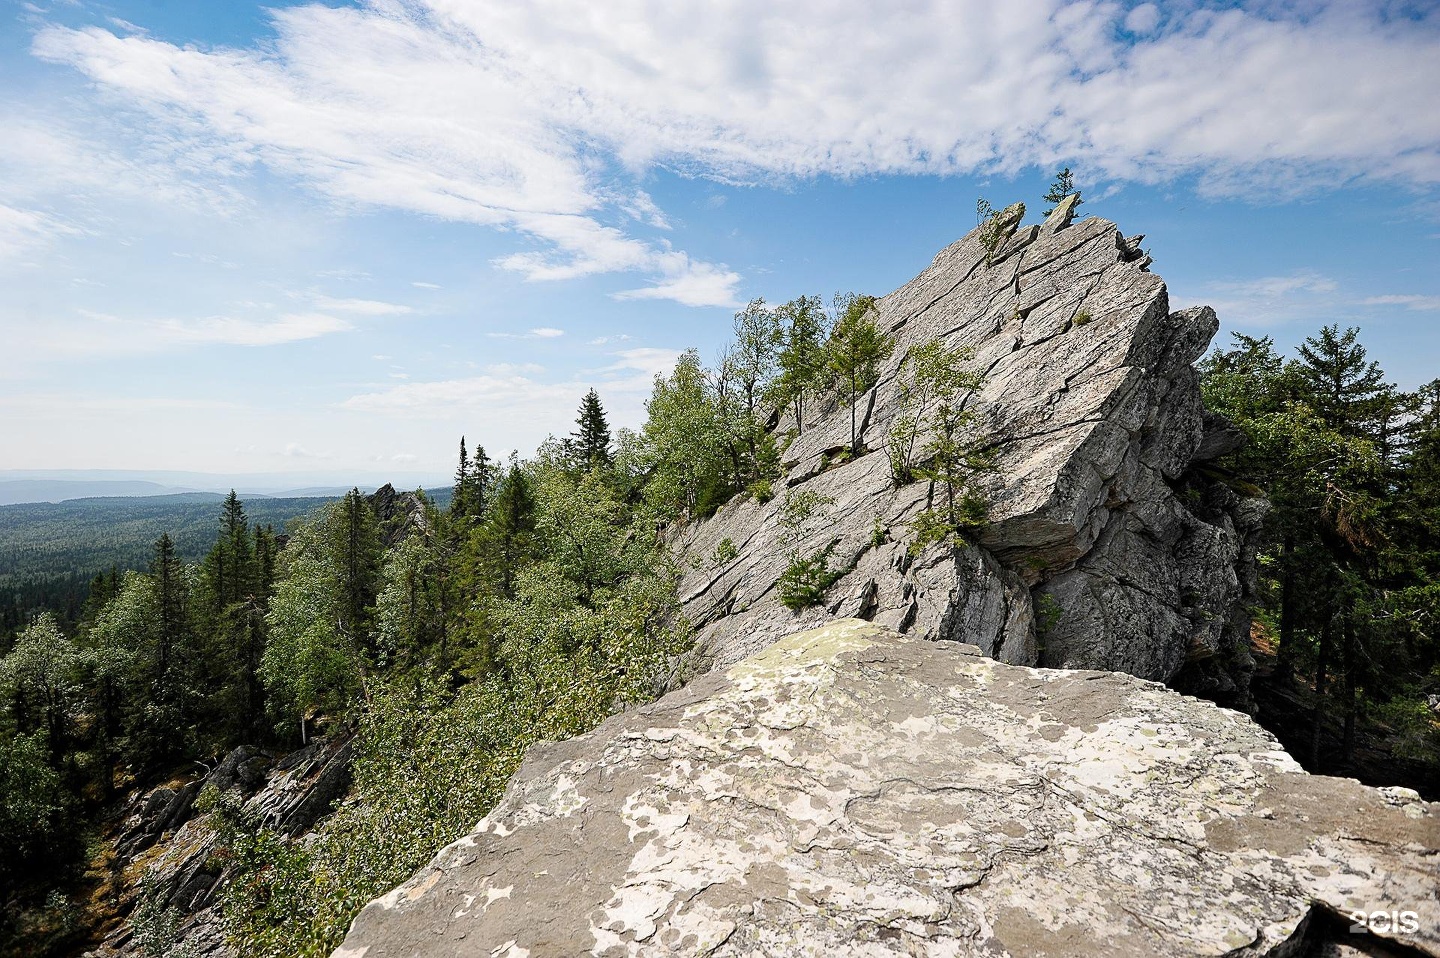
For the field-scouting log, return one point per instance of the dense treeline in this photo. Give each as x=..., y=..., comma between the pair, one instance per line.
x=1351, y=562
x=51, y=552
x=541, y=600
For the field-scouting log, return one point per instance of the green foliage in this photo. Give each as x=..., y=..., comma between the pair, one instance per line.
x=802, y=358
x=34, y=805
x=588, y=626
x=1349, y=567
x=55, y=552
x=803, y=513
x=590, y=442
x=878, y=533
x=321, y=640
x=933, y=437
x=725, y=552
x=1063, y=186
x=683, y=447
x=1083, y=318
x=855, y=351
x=805, y=579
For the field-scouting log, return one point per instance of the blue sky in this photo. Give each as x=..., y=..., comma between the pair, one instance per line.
x=329, y=239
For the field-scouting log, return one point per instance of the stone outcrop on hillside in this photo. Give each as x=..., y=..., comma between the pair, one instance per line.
x=181, y=875
x=1110, y=543
x=854, y=791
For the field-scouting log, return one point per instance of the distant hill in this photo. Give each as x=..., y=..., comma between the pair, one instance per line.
x=58, y=490
x=50, y=551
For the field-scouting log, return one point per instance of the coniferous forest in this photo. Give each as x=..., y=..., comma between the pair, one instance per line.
x=444, y=640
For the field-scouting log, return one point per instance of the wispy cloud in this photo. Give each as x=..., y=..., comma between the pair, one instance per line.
x=223, y=330
x=361, y=307
x=542, y=119
x=22, y=230
x=539, y=332
x=294, y=450
x=510, y=393
x=1414, y=302
x=1265, y=300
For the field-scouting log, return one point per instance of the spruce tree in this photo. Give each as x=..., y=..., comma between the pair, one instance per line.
x=1340, y=384
x=459, y=501
x=590, y=442
x=1063, y=186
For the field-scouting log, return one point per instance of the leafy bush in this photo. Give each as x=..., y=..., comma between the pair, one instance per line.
x=804, y=581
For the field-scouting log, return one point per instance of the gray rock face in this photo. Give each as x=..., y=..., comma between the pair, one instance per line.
x=1107, y=547
x=183, y=875
x=853, y=791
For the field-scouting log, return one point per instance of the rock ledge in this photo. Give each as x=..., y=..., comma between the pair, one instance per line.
x=850, y=790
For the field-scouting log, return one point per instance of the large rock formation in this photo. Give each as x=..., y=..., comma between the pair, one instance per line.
x=1103, y=516
x=853, y=791
x=171, y=844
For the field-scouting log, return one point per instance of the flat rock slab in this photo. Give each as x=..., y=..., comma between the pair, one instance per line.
x=853, y=791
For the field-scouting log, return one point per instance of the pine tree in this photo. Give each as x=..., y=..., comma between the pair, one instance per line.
x=590, y=442
x=1063, y=186
x=459, y=501
x=1345, y=390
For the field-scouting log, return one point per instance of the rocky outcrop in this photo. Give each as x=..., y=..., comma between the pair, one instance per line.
x=180, y=877
x=854, y=791
x=1109, y=545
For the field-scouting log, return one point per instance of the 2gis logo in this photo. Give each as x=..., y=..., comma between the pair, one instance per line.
x=1382, y=922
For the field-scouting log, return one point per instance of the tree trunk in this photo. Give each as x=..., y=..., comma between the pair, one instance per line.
x=1285, y=657
x=1348, y=748
x=1317, y=715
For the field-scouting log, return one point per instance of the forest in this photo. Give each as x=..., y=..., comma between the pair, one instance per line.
x=542, y=598
x=52, y=552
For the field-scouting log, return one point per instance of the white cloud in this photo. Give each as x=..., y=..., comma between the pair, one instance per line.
x=420, y=285
x=243, y=332
x=21, y=230
x=540, y=118
x=1418, y=303
x=362, y=307
x=1143, y=20
x=539, y=332
x=1265, y=300
x=517, y=404
x=293, y=450
x=1271, y=287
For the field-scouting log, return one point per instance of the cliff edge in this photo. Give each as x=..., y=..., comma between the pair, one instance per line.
x=851, y=790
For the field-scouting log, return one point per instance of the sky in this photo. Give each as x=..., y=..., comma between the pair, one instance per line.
x=330, y=238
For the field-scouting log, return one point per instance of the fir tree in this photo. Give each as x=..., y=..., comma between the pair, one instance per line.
x=590, y=442
x=1063, y=186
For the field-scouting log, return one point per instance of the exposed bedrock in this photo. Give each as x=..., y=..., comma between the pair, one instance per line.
x=853, y=791
x=1109, y=546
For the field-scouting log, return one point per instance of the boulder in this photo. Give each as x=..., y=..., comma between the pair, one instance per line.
x=1108, y=546
x=855, y=791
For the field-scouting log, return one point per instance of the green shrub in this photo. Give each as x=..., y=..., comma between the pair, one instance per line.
x=804, y=581
x=725, y=552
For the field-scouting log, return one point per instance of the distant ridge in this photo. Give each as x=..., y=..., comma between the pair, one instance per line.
x=13, y=491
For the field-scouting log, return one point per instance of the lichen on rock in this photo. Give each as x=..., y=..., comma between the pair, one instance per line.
x=852, y=790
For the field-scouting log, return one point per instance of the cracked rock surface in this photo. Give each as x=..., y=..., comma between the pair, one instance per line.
x=1103, y=517
x=854, y=791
